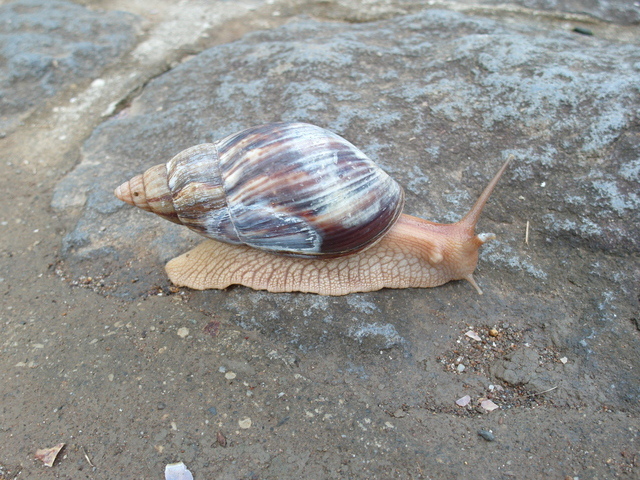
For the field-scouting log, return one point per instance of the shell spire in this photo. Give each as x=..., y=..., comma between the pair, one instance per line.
x=149, y=192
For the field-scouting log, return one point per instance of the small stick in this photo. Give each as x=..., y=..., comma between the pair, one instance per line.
x=540, y=393
x=526, y=234
x=87, y=457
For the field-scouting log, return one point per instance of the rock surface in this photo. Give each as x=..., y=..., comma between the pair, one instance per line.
x=100, y=352
x=439, y=108
x=617, y=11
x=516, y=368
x=47, y=45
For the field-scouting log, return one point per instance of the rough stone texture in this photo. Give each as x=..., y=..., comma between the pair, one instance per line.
x=517, y=368
x=618, y=11
x=438, y=99
x=133, y=375
x=564, y=13
x=47, y=45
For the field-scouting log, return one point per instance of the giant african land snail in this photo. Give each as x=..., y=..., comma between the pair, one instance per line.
x=301, y=209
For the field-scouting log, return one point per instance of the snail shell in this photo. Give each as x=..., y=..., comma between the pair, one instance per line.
x=289, y=188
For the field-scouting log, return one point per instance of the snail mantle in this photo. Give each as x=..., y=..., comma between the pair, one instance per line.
x=294, y=207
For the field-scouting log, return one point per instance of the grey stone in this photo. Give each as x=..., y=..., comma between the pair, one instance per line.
x=617, y=11
x=376, y=335
x=439, y=100
x=517, y=368
x=487, y=435
x=47, y=45
x=543, y=382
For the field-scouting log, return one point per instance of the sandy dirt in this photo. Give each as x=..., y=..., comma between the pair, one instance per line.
x=130, y=385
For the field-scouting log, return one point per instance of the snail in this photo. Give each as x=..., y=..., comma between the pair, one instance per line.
x=294, y=207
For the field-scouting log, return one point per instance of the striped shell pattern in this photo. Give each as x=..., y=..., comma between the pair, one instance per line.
x=290, y=188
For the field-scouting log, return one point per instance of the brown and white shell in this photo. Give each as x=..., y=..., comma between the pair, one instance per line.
x=290, y=188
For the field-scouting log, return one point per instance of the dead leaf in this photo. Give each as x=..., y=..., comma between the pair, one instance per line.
x=222, y=440
x=48, y=455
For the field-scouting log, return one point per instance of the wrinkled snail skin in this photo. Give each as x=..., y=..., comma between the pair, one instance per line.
x=402, y=259
x=301, y=209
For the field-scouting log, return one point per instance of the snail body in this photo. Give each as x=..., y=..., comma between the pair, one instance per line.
x=294, y=207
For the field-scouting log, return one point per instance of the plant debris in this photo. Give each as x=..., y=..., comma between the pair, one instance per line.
x=48, y=455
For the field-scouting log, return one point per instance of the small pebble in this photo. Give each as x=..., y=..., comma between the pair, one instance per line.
x=487, y=435
x=460, y=368
x=244, y=423
x=493, y=332
x=488, y=405
x=583, y=31
x=213, y=410
x=177, y=471
x=230, y=375
x=473, y=335
x=212, y=328
x=183, y=332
